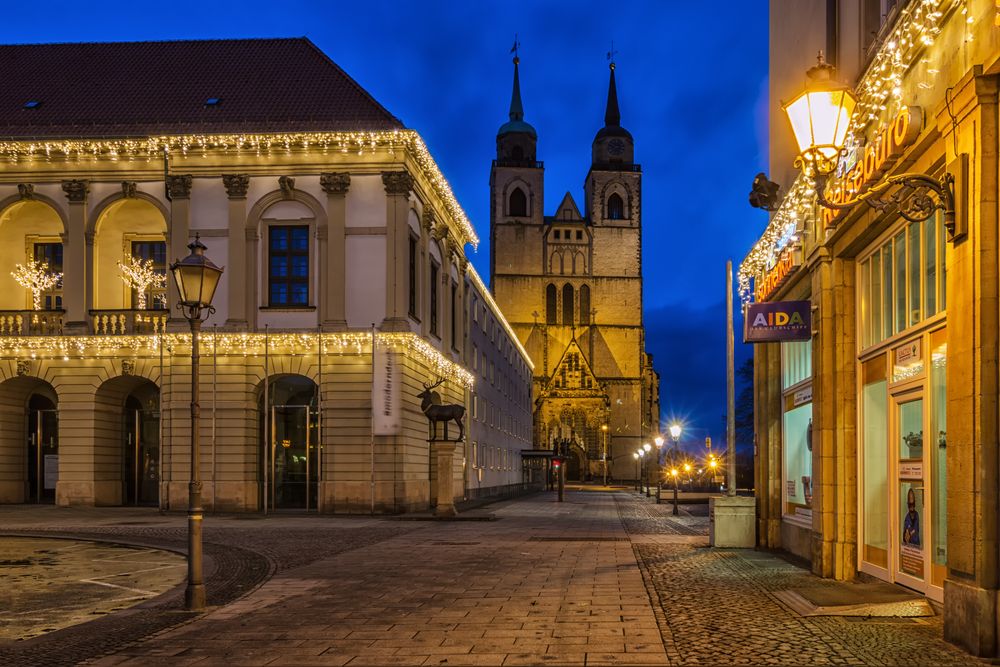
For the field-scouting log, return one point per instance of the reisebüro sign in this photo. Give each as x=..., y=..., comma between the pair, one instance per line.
x=777, y=321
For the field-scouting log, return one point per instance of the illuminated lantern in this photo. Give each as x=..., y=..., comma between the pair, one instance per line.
x=821, y=114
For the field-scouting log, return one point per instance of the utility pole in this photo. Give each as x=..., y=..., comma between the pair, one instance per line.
x=730, y=384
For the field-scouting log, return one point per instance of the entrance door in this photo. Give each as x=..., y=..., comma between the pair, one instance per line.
x=140, y=454
x=293, y=463
x=43, y=450
x=910, y=497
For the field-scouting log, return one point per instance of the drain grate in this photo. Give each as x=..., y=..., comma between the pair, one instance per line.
x=579, y=539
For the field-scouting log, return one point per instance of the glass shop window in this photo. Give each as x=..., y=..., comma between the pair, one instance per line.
x=796, y=363
x=875, y=472
x=796, y=375
x=288, y=265
x=902, y=282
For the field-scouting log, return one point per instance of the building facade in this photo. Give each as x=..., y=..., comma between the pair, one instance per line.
x=877, y=438
x=345, y=280
x=571, y=286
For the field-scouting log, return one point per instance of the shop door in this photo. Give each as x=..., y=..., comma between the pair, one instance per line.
x=293, y=464
x=909, y=495
x=141, y=457
x=43, y=453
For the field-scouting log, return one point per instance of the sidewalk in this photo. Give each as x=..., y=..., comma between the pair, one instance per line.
x=605, y=578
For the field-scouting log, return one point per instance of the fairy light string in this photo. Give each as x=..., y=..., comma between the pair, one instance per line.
x=879, y=93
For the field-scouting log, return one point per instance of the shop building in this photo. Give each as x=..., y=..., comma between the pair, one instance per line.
x=876, y=438
x=346, y=279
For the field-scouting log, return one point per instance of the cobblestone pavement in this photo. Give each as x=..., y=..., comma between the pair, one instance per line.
x=602, y=579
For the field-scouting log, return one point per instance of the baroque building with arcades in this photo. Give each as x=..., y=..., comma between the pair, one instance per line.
x=570, y=284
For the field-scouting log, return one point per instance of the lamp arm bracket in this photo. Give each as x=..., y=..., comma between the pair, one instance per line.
x=913, y=200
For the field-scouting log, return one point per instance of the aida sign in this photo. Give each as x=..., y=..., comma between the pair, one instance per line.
x=872, y=161
x=777, y=321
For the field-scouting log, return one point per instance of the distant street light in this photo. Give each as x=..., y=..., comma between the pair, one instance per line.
x=675, y=434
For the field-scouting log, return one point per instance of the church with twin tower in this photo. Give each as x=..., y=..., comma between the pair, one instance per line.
x=570, y=284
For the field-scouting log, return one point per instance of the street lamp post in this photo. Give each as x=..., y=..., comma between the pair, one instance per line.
x=635, y=455
x=675, y=435
x=645, y=469
x=659, y=471
x=604, y=432
x=196, y=278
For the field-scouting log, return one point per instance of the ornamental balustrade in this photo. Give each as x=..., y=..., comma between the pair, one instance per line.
x=128, y=321
x=31, y=322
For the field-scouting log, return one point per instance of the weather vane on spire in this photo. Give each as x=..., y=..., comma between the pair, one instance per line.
x=611, y=55
x=513, y=49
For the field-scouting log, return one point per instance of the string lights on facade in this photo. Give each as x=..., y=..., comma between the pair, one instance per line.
x=879, y=94
x=245, y=344
x=156, y=148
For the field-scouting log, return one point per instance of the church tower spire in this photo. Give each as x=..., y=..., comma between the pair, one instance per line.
x=516, y=139
x=613, y=143
x=612, y=115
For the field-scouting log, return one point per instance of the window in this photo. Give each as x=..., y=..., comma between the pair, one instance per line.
x=435, y=270
x=555, y=235
x=475, y=309
x=156, y=251
x=579, y=235
x=584, y=304
x=413, y=278
x=796, y=373
x=616, y=207
x=51, y=254
x=454, y=328
x=517, y=206
x=902, y=283
x=567, y=305
x=288, y=265
x=475, y=358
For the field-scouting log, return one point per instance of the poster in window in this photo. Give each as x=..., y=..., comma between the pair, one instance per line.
x=51, y=468
x=911, y=556
x=386, y=412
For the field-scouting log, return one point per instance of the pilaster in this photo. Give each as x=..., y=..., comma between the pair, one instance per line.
x=77, y=259
x=236, y=272
x=424, y=272
x=333, y=270
x=397, y=189
x=179, y=190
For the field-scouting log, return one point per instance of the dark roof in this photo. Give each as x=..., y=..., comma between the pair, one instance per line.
x=146, y=88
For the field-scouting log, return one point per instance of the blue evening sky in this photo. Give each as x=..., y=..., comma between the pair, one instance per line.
x=692, y=87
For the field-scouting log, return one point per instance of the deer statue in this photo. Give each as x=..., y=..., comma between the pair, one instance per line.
x=430, y=404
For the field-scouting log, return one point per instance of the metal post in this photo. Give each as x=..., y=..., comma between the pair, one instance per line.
x=215, y=403
x=373, y=426
x=194, y=595
x=645, y=476
x=268, y=422
x=672, y=469
x=730, y=383
x=605, y=431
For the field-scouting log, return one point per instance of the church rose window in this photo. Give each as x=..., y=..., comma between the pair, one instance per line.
x=616, y=207
x=518, y=204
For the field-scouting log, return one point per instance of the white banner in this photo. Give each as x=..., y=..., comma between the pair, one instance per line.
x=386, y=413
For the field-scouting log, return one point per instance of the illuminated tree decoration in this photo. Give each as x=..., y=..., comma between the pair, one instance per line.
x=139, y=274
x=35, y=276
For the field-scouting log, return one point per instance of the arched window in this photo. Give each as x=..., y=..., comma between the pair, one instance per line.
x=616, y=207
x=584, y=304
x=567, y=296
x=518, y=204
x=550, y=304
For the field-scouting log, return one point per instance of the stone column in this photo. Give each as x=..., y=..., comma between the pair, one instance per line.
x=179, y=189
x=973, y=578
x=236, y=272
x=834, y=505
x=445, y=453
x=77, y=260
x=333, y=251
x=397, y=188
x=460, y=306
x=767, y=431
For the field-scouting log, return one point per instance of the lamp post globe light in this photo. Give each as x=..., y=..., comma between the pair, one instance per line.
x=675, y=435
x=820, y=117
x=196, y=278
x=658, y=440
x=645, y=467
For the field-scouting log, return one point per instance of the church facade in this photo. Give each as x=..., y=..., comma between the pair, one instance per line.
x=570, y=285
